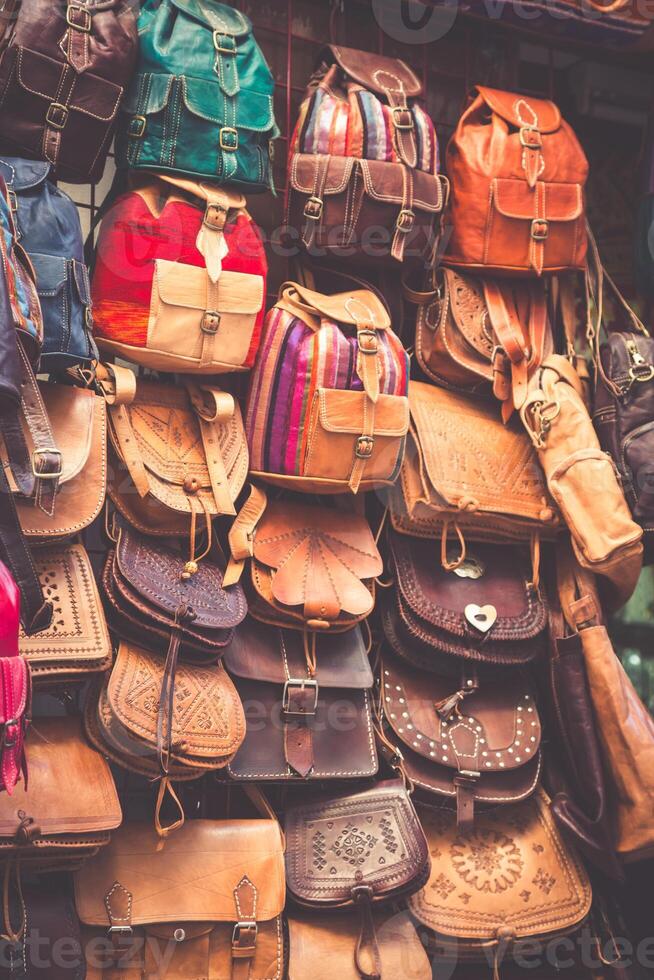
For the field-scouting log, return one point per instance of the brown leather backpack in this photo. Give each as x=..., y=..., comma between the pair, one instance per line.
x=64, y=67
x=517, y=177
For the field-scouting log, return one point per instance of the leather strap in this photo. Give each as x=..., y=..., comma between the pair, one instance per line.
x=241, y=534
x=214, y=407
x=118, y=903
x=80, y=21
x=129, y=449
x=367, y=939
x=465, y=800
x=35, y=612
x=117, y=384
x=184, y=614
x=509, y=307
x=299, y=704
x=406, y=217
x=244, y=937
x=314, y=205
x=403, y=125
x=45, y=461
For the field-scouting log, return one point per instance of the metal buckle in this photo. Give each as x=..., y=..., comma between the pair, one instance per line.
x=88, y=317
x=6, y=744
x=372, y=336
x=122, y=930
x=60, y=122
x=313, y=208
x=302, y=684
x=210, y=322
x=250, y=925
x=137, y=131
x=13, y=199
x=86, y=26
x=405, y=220
x=218, y=38
x=213, y=216
x=540, y=229
x=42, y=452
x=397, y=109
x=364, y=447
x=229, y=138
x=530, y=138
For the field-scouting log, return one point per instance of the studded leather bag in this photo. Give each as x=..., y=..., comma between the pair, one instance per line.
x=517, y=177
x=208, y=902
x=296, y=736
x=64, y=68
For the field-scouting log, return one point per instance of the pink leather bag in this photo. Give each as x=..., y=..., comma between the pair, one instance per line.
x=15, y=687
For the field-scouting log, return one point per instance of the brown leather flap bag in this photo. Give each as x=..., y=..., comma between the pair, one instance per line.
x=215, y=890
x=307, y=719
x=77, y=641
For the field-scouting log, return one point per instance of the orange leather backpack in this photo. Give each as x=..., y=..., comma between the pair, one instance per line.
x=517, y=177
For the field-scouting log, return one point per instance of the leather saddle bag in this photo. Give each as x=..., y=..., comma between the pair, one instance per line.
x=487, y=609
x=210, y=899
x=77, y=643
x=291, y=703
x=469, y=740
x=71, y=804
x=510, y=879
x=464, y=469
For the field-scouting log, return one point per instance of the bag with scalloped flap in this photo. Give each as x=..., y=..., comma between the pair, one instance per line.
x=517, y=176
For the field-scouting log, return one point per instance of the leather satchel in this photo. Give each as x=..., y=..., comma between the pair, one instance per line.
x=208, y=903
x=517, y=176
x=486, y=610
x=77, y=643
x=362, y=849
x=291, y=702
x=510, y=879
x=473, y=740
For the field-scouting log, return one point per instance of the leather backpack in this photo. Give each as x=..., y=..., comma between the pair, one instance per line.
x=201, y=101
x=179, y=281
x=48, y=228
x=517, y=177
x=64, y=68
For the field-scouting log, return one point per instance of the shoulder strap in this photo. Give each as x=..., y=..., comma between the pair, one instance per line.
x=35, y=612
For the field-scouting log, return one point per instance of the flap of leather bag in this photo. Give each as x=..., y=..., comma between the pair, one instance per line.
x=259, y=652
x=514, y=198
x=471, y=461
x=465, y=299
x=386, y=182
x=184, y=285
x=345, y=411
x=71, y=789
x=303, y=174
x=218, y=16
x=360, y=306
x=496, y=727
x=15, y=680
x=71, y=414
x=23, y=175
x=208, y=716
x=192, y=876
x=490, y=576
x=91, y=95
x=155, y=571
x=372, y=838
x=512, y=874
x=374, y=71
x=522, y=110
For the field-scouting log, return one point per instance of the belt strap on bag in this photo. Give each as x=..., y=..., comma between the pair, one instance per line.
x=314, y=205
x=214, y=407
x=367, y=947
x=406, y=218
x=245, y=932
x=299, y=704
x=241, y=534
x=368, y=370
x=79, y=20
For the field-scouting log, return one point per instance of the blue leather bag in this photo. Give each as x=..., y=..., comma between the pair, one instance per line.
x=49, y=230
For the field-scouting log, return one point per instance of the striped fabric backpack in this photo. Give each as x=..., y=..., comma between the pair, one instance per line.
x=327, y=409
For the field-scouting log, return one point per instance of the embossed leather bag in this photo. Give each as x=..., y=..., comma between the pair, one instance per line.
x=361, y=849
x=293, y=703
x=210, y=900
x=517, y=175
x=472, y=740
x=201, y=101
x=179, y=281
x=327, y=408
x=582, y=478
x=531, y=884
x=63, y=75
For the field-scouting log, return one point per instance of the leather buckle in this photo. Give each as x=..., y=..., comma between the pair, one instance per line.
x=13, y=200
x=530, y=138
x=57, y=115
x=219, y=43
x=49, y=451
x=12, y=723
x=405, y=220
x=402, y=117
x=137, y=126
x=368, y=341
x=229, y=139
x=210, y=322
x=301, y=684
x=313, y=208
x=71, y=11
x=540, y=229
x=244, y=939
x=364, y=447
x=215, y=216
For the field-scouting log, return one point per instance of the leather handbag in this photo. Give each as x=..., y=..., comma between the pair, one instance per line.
x=582, y=478
x=48, y=228
x=357, y=850
x=64, y=67
x=201, y=101
x=291, y=702
x=49, y=827
x=178, y=452
x=322, y=944
x=517, y=176
x=15, y=687
x=511, y=879
x=488, y=610
x=153, y=600
x=210, y=900
x=472, y=740
x=464, y=471
x=179, y=281
x=312, y=423
x=76, y=645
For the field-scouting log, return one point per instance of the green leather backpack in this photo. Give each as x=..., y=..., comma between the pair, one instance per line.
x=201, y=102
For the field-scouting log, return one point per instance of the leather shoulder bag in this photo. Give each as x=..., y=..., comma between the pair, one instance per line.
x=63, y=76
x=292, y=701
x=213, y=894
x=518, y=174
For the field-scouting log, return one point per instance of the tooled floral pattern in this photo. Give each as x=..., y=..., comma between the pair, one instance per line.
x=470, y=313
x=487, y=860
